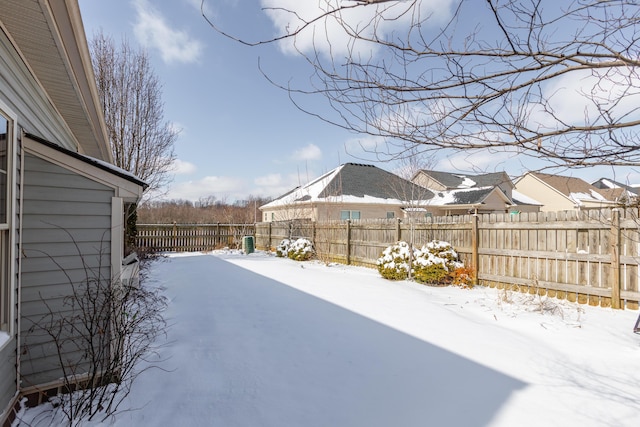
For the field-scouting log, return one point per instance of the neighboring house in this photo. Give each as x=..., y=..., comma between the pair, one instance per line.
x=561, y=193
x=459, y=194
x=444, y=181
x=61, y=202
x=469, y=201
x=622, y=194
x=350, y=191
x=523, y=203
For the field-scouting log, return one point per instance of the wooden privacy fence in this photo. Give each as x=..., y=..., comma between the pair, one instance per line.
x=191, y=237
x=589, y=256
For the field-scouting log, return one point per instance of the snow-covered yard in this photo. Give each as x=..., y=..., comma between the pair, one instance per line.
x=262, y=341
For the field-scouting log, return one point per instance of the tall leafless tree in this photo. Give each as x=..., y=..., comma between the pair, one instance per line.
x=552, y=80
x=131, y=95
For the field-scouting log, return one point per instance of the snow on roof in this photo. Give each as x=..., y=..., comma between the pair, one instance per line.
x=116, y=170
x=609, y=183
x=466, y=182
x=452, y=181
x=591, y=196
x=521, y=199
x=308, y=192
x=355, y=183
x=109, y=167
x=465, y=196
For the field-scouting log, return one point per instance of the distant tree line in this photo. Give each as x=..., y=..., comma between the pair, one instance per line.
x=208, y=210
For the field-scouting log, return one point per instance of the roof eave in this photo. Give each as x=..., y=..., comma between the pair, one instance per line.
x=50, y=38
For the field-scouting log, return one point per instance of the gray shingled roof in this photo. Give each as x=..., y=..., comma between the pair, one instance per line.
x=454, y=180
x=358, y=180
x=603, y=185
x=447, y=179
x=494, y=179
x=470, y=197
x=353, y=180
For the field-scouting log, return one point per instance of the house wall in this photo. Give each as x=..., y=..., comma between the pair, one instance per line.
x=16, y=85
x=66, y=236
x=527, y=208
x=8, y=384
x=288, y=213
x=329, y=212
x=8, y=374
x=426, y=181
x=494, y=203
x=552, y=200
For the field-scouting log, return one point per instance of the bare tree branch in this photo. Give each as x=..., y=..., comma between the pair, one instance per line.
x=553, y=81
x=131, y=96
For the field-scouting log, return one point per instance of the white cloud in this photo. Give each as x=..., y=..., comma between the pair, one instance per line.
x=180, y=167
x=366, y=146
x=219, y=186
x=152, y=30
x=329, y=37
x=310, y=152
x=233, y=188
x=275, y=184
x=270, y=180
x=574, y=98
x=199, y=5
x=478, y=162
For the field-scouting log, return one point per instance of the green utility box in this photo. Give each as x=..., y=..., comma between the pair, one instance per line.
x=247, y=244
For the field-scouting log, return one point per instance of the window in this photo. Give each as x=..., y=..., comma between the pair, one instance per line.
x=349, y=215
x=391, y=215
x=5, y=287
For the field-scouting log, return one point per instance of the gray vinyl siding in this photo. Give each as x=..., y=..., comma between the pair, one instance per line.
x=8, y=385
x=66, y=226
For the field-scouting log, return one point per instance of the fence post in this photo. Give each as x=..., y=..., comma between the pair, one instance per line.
x=475, y=259
x=269, y=241
x=348, y=242
x=175, y=237
x=398, y=230
x=313, y=234
x=615, y=259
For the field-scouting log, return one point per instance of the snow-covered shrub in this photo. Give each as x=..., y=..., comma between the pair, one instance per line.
x=301, y=250
x=434, y=263
x=282, y=250
x=394, y=262
x=432, y=274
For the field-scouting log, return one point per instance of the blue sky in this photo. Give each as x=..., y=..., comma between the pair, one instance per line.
x=240, y=135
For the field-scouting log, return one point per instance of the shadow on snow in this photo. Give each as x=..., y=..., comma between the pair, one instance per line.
x=251, y=351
